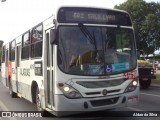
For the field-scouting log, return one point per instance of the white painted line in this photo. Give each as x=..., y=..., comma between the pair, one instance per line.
x=4, y=108
x=150, y=94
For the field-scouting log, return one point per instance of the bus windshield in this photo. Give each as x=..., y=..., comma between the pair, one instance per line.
x=95, y=50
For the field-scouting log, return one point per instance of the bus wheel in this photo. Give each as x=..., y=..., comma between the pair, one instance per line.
x=13, y=94
x=38, y=102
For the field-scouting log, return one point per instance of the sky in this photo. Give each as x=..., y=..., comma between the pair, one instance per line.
x=18, y=16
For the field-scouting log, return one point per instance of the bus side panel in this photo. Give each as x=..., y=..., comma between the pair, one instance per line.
x=26, y=79
x=27, y=75
x=18, y=77
x=13, y=78
x=3, y=74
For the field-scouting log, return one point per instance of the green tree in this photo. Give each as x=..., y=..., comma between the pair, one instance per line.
x=146, y=22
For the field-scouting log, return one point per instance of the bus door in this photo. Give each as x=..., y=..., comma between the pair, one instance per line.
x=6, y=67
x=49, y=87
x=18, y=80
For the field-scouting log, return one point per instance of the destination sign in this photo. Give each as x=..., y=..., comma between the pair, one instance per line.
x=93, y=16
x=89, y=16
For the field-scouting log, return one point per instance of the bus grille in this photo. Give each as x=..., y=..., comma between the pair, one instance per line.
x=97, y=93
x=100, y=84
x=103, y=102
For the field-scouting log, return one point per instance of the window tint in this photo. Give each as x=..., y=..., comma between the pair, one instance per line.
x=12, y=50
x=48, y=58
x=3, y=55
x=25, y=45
x=17, y=56
x=95, y=50
x=25, y=52
x=26, y=40
x=36, y=42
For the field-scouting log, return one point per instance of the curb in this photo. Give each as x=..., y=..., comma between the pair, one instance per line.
x=155, y=85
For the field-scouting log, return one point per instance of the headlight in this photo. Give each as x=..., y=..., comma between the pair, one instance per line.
x=69, y=91
x=132, y=86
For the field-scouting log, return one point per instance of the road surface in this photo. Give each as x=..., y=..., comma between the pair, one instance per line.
x=149, y=101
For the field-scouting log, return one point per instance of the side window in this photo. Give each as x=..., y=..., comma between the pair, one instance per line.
x=36, y=42
x=48, y=58
x=17, y=55
x=25, y=45
x=26, y=39
x=3, y=55
x=12, y=50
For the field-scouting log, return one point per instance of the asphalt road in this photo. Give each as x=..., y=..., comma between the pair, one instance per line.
x=149, y=101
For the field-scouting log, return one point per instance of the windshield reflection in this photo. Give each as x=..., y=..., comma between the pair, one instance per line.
x=95, y=50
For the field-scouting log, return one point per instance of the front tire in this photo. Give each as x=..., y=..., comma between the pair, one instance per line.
x=38, y=103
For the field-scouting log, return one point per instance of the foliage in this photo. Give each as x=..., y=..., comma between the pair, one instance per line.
x=146, y=22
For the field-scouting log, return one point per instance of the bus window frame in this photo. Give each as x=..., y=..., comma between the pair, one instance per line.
x=34, y=43
x=25, y=47
x=12, y=50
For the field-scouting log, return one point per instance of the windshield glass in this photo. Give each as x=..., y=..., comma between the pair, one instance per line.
x=87, y=50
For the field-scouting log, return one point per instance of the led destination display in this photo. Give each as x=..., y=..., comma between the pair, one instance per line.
x=93, y=16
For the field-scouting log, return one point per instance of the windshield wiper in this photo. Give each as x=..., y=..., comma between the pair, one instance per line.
x=88, y=35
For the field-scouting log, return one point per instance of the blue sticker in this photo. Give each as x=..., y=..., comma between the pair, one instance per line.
x=109, y=68
x=120, y=67
x=117, y=67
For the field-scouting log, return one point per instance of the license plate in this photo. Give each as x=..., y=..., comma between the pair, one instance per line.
x=145, y=79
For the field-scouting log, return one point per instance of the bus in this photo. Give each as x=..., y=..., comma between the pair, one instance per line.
x=74, y=61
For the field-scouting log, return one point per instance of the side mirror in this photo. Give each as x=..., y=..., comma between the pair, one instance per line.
x=52, y=36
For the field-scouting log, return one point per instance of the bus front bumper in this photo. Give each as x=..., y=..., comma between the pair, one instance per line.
x=69, y=106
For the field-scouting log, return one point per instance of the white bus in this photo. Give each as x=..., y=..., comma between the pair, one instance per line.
x=79, y=59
